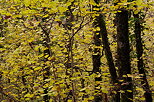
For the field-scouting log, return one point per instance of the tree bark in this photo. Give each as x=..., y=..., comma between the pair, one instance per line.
x=102, y=34
x=109, y=57
x=46, y=70
x=96, y=57
x=140, y=63
x=123, y=53
x=47, y=53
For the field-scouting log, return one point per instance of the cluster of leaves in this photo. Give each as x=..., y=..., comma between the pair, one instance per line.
x=30, y=28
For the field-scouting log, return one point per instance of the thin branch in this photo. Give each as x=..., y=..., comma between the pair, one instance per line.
x=80, y=27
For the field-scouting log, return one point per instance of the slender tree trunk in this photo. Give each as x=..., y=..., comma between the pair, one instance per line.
x=108, y=54
x=123, y=53
x=47, y=53
x=2, y=27
x=140, y=64
x=47, y=69
x=99, y=22
x=96, y=57
x=70, y=60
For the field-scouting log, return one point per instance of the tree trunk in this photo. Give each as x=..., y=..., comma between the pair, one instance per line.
x=123, y=53
x=46, y=70
x=140, y=64
x=109, y=57
x=108, y=54
x=47, y=53
x=99, y=22
x=96, y=57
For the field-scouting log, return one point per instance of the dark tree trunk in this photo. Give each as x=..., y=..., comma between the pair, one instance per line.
x=108, y=54
x=70, y=59
x=47, y=53
x=123, y=53
x=96, y=57
x=102, y=34
x=109, y=57
x=140, y=64
x=47, y=69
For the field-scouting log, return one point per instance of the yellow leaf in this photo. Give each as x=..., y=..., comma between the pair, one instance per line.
x=29, y=95
x=38, y=68
x=142, y=98
x=85, y=100
x=69, y=100
x=91, y=97
x=104, y=90
x=129, y=90
x=139, y=2
x=27, y=2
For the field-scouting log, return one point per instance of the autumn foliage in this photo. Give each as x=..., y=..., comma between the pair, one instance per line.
x=76, y=50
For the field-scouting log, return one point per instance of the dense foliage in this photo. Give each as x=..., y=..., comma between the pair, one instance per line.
x=71, y=50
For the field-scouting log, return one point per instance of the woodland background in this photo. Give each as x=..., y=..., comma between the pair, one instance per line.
x=76, y=50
